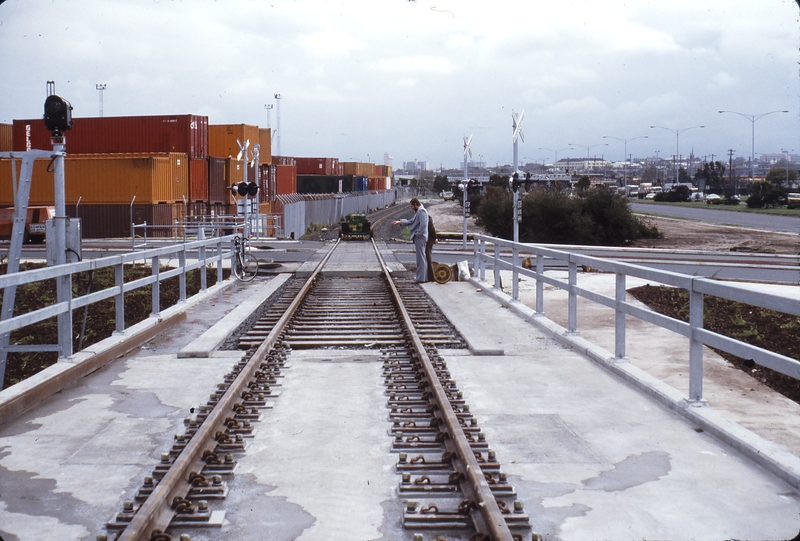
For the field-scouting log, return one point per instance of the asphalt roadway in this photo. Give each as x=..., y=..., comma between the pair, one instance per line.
x=715, y=215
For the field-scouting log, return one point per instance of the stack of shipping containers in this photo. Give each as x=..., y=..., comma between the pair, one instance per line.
x=159, y=169
x=328, y=175
x=123, y=170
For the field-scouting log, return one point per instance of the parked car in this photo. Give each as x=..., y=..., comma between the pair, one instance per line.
x=448, y=195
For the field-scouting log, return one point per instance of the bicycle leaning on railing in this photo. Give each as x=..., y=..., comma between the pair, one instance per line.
x=244, y=264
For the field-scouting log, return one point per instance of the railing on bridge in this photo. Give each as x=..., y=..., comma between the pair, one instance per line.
x=487, y=251
x=192, y=255
x=261, y=226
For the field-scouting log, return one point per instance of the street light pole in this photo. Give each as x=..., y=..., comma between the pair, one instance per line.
x=100, y=87
x=752, y=119
x=677, y=142
x=555, y=163
x=625, y=163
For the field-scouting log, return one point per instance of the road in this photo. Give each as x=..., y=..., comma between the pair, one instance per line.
x=750, y=220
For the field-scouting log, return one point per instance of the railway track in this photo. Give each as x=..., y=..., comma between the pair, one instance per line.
x=448, y=477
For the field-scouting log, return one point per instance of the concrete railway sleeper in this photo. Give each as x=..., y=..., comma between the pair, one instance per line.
x=451, y=483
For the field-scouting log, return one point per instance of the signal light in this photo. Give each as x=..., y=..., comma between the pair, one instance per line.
x=57, y=114
x=245, y=188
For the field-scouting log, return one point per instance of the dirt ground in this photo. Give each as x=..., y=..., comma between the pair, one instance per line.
x=690, y=235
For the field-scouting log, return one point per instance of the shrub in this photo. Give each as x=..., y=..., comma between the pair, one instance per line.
x=549, y=217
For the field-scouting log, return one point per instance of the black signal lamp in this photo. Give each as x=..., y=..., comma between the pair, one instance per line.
x=57, y=115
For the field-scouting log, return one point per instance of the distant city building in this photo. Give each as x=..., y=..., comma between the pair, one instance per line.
x=387, y=159
x=416, y=165
x=777, y=157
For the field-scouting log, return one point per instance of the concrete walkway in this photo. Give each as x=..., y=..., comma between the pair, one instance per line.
x=593, y=457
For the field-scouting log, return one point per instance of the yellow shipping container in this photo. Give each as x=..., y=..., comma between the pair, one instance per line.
x=6, y=139
x=107, y=179
x=265, y=140
x=358, y=168
x=222, y=139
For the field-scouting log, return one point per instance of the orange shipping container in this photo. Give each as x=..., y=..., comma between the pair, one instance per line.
x=222, y=138
x=107, y=179
x=265, y=140
x=6, y=137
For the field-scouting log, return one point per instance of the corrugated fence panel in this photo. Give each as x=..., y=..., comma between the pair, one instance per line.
x=297, y=217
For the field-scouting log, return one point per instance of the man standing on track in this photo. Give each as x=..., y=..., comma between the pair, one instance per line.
x=419, y=236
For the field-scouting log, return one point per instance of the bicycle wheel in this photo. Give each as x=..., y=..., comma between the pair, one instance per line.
x=246, y=267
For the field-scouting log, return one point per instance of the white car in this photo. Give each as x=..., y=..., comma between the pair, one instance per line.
x=650, y=196
x=713, y=197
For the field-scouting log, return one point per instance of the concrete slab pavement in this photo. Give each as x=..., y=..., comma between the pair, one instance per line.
x=594, y=458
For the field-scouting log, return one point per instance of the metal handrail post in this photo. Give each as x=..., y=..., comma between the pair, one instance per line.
x=539, y=285
x=201, y=255
x=572, y=324
x=119, y=298
x=619, y=317
x=497, y=284
x=219, y=259
x=483, y=259
x=695, y=347
x=182, y=276
x=476, y=255
x=133, y=230
x=156, y=298
x=514, y=271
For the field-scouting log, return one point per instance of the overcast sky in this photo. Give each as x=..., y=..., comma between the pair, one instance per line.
x=359, y=78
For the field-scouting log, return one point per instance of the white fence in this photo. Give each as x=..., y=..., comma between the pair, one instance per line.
x=188, y=256
x=488, y=252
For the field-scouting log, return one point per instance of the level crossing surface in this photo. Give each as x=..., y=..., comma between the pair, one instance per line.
x=590, y=456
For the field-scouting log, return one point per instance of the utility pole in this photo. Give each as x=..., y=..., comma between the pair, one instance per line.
x=730, y=169
x=278, y=130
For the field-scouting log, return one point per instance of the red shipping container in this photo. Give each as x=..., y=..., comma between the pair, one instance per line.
x=218, y=192
x=285, y=179
x=317, y=166
x=284, y=160
x=198, y=179
x=187, y=134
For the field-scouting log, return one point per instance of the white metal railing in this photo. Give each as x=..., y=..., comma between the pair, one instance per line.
x=487, y=251
x=190, y=255
x=261, y=226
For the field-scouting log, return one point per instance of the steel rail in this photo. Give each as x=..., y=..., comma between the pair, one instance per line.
x=156, y=513
x=475, y=481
